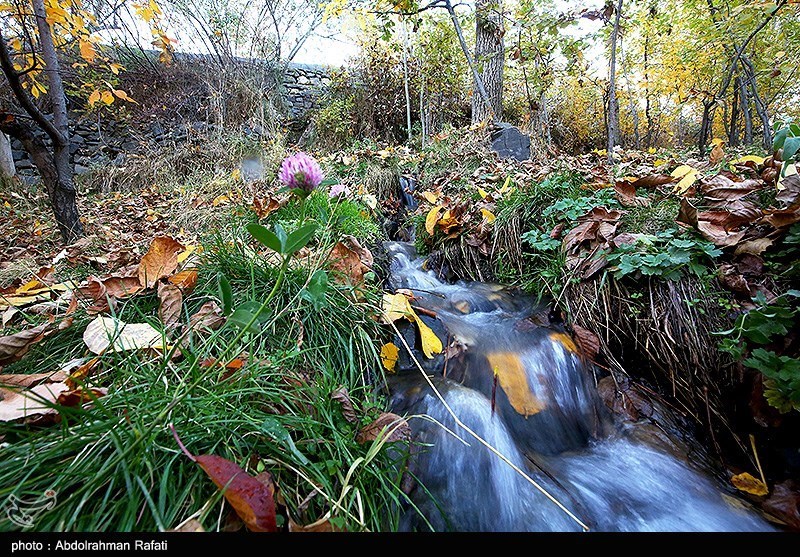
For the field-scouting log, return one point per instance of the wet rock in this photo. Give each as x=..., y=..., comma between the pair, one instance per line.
x=509, y=142
x=784, y=503
x=623, y=399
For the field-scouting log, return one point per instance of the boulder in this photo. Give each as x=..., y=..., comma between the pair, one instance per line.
x=509, y=142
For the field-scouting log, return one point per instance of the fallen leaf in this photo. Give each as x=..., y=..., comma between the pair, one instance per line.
x=747, y=483
x=755, y=247
x=431, y=344
x=730, y=277
x=488, y=215
x=718, y=235
x=208, y=318
x=78, y=373
x=716, y=155
x=395, y=427
x=750, y=158
x=186, y=280
x=191, y=525
x=31, y=379
x=511, y=376
x=102, y=331
x=588, y=341
x=350, y=261
x=252, y=500
x=341, y=395
x=170, y=303
x=430, y=197
x=321, y=525
x=784, y=503
x=653, y=181
x=80, y=395
x=687, y=214
x=781, y=218
x=263, y=207
x=15, y=346
x=24, y=404
x=8, y=315
x=160, y=261
x=395, y=306
x=389, y=355
x=431, y=219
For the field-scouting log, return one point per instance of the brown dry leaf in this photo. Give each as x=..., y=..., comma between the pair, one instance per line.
x=754, y=247
x=32, y=379
x=730, y=277
x=321, y=525
x=626, y=195
x=511, y=376
x=208, y=318
x=160, y=261
x=586, y=231
x=79, y=396
x=687, y=214
x=747, y=483
x=716, y=155
x=341, y=395
x=191, y=525
x=265, y=206
x=15, y=346
x=170, y=303
x=186, y=280
x=96, y=292
x=350, y=261
x=653, y=181
x=397, y=429
x=588, y=341
x=718, y=235
x=784, y=503
x=36, y=401
x=781, y=218
x=78, y=375
x=790, y=194
x=121, y=287
x=720, y=187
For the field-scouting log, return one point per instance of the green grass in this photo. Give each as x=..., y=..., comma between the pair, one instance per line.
x=115, y=466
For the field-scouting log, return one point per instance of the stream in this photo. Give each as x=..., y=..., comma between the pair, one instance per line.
x=545, y=416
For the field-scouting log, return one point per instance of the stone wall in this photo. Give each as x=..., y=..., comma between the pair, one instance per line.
x=100, y=142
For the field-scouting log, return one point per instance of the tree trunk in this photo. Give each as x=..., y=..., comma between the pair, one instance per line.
x=613, y=105
x=733, y=127
x=63, y=197
x=705, y=125
x=7, y=168
x=648, y=138
x=489, y=56
x=478, y=80
x=747, y=114
x=761, y=107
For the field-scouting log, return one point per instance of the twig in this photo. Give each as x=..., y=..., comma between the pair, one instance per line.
x=758, y=463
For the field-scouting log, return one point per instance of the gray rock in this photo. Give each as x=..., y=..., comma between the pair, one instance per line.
x=80, y=169
x=509, y=142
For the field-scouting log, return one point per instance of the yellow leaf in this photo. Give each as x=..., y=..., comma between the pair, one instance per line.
x=431, y=344
x=750, y=158
x=685, y=183
x=482, y=192
x=107, y=97
x=682, y=171
x=219, y=200
x=659, y=162
x=488, y=215
x=747, y=483
x=115, y=68
x=94, y=97
x=651, y=150
x=506, y=187
x=432, y=219
x=120, y=94
x=186, y=253
x=511, y=376
x=395, y=306
x=389, y=355
x=87, y=51
x=430, y=197
x=717, y=142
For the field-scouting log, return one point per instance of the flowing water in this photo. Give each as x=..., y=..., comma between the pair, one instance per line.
x=520, y=385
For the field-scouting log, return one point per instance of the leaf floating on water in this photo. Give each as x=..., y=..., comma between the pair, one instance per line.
x=431, y=344
x=747, y=483
x=389, y=355
x=397, y=429
x=513, y=380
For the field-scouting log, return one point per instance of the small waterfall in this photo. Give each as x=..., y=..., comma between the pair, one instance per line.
x=547, y=419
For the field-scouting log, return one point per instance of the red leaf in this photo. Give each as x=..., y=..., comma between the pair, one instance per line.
x=397, y=429
x=588, y=341
x=251, y=499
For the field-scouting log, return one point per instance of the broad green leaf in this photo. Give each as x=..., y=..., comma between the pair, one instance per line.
x=273, y=428
x=299, y=238
x=226, y=295
x=265, y=236
x=790, y=147
x=316, y=289
x=780, y=137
